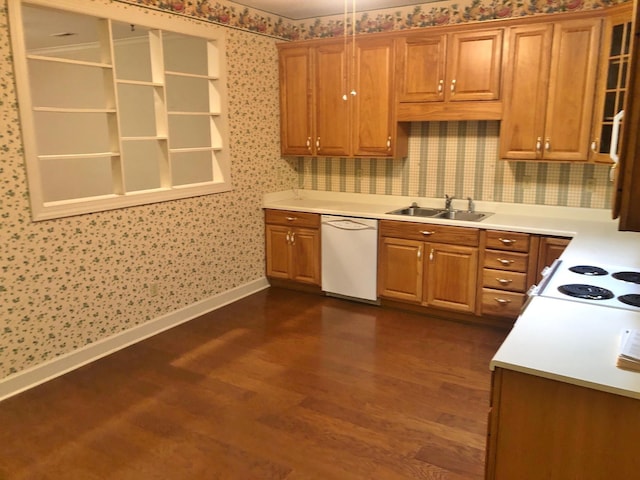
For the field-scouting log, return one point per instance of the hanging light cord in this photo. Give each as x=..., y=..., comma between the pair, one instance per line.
x=353, y=46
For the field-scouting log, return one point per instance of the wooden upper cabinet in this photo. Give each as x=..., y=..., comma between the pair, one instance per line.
x=549, y=88
x=449, y=76
x=319, y=114
x=331, y=109
x=374, y=128
x=456, y=67
x=421, y=68
x=474, y=66
x=525, y=91
x=296, y=100
x=571, y=89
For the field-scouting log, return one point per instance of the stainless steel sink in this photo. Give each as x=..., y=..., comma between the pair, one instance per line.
x=462, y=215
x=417, y=212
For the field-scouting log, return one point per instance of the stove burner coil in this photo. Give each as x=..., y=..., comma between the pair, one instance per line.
x=632, y=299
x=588, y=270
x=587, y=292
x=632, y=277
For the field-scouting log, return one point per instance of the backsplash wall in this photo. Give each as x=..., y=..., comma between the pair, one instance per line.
x=461, y=159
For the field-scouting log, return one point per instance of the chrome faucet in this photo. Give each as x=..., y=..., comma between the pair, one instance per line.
x=447, y=202
x=470, y=206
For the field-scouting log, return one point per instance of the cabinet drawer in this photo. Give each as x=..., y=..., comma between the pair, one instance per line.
x=430, y=232
x=294, y=219
x=515, y=242
x=502, y=304
x=504, y=280
x=510, y=261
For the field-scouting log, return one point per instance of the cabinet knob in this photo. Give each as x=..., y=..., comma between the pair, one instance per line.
x=453, y=86
x=318, y=144
x=389, y=143
x=594, y=146
x=309, y=143
x=539, y=145
x=440, y=86
x=547, y=145
x=293, y=238
x=507, y=241
x=431, y=255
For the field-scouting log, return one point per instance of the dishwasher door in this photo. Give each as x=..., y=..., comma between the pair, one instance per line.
x=350, y=257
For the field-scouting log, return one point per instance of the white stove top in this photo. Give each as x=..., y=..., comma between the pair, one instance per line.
x=600, y=287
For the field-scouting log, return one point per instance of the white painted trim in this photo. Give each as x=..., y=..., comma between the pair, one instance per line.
x=58, y=366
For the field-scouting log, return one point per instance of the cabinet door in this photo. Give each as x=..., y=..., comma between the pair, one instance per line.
x=332, y=120
x=549, y=250
x=421, y=63
x=525, y=91
x=612, y=81
x=400, y=271
x=451, y=278
x=278, y=255
x=474, y=66
x=305, y=255
x=296, y=101
x=372, y=112
x=574, y=62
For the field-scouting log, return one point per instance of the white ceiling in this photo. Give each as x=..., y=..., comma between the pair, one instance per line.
x=300, y=9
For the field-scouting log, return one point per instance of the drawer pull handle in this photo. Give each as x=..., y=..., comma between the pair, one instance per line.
x=502, y=301
x=293, y=238
x=504, y=281
x=507, y=241
x=505, y=261
x=426, y=232
x=291, y=219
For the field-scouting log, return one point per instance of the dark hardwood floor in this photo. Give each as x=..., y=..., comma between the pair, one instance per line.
x=279, y=385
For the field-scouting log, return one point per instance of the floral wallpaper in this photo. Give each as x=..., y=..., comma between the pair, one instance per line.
x=413, y=16
x=67, y=283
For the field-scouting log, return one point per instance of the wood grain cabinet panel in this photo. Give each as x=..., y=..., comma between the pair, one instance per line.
x=542, y=428
x=415, y=267
x=346, y=99
x=452, y=76
x=296, y=100
x=550, y=78
x=293, y=246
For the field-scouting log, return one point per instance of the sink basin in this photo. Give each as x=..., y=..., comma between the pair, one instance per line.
x=417, y=212
x=462, y=215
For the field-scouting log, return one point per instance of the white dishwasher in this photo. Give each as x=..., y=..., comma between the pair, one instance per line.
x=349, y=257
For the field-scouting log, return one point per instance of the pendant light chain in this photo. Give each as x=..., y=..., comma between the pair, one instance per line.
x=353, y=47
x=344, y=77
x=352, y=67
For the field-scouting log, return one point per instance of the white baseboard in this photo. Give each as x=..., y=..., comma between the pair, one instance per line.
x=49, y=370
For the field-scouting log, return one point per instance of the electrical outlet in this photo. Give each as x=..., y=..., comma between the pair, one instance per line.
x=153, y=289
x=590, y=185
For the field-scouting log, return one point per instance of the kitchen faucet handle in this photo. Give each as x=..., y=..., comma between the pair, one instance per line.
x=470, y=205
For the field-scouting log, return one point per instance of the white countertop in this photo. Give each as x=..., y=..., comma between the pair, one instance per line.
x=571, y=342
x=558, y=339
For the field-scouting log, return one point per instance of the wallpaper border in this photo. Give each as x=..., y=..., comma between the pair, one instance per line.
x=230, y=14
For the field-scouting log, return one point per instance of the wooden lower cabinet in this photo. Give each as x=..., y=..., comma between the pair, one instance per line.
x=547, y=429
x=434, y=274
x=293, y=246
x=550, y=249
